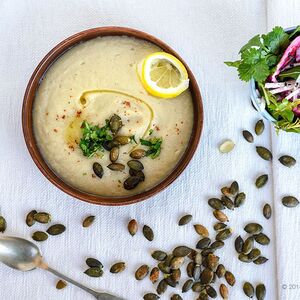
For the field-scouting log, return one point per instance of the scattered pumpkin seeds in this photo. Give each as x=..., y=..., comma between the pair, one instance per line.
x=135, y=165
x=260, y=291
x=154, y=275
x=151, y=296
x=141, y=272
x=138, y=153
x=220, y=272
x=40, y=236
x=118, y=267
x=114, y=154
x=42, y=217
x=187, y=285
x=260, y=260
x=216, y=203
x=227, y=146
x=122, y=139
x=201, y=230
x=206, y=276
x=253, y=228
x=203, y=243
x=132, y=227
x=161, y=287
x=61, y=284
x=88, y=221
x=185, y=220
x=93, y=262
x=98, y=170
x=287, y=160
x=234, y=188
x=228, y=202
x=248, y=245
x=94, y=272
x=224, y=291
x=220, y=216
x=267, y=211
x=264, y=153
x=176, y=297
x=148, y=233
x=219, y=226
x=259, y=127
x=239, y=199
x=238, y=244
x=290, y=201
x=262, y=239
x=116, y=167
x=176, y=262
x=248, y=289
x=159, y=255
x=230, y=278
x=115, y=123
x=56, y=229
x=181, y=251
x=261, y=181
x=131, y=182
x=224, y=234
x=248, y=136
x=30, y=218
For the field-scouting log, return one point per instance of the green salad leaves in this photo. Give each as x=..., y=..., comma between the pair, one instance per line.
x=154, y=145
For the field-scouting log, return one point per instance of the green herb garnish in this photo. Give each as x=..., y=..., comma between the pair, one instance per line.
x=93, y=137
x=154, y=145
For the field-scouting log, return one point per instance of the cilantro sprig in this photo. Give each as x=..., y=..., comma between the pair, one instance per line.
x=154, y=145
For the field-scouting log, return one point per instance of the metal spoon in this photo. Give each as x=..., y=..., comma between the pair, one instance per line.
x=24, y=255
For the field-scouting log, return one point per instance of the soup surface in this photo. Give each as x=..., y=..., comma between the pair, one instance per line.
x=91, y=82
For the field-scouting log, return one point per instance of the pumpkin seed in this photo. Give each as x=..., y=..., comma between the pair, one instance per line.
x=154, y=275
x=248, y=136
x=170, y=282
x=131, y=182
x=203, y=243
x=230, y=278
x=94, y=272
x=264, y=153
x=132, y=227
x=224, y=234
x=182, y=251
x=239, y=199
x=176, y=297
x=220, y=272
x=203, y=295
x=206, y=276
x=217, y=245
x=148, y=233
x=254, y=254
x=290, y=201
x=30, y=218
x=201, y=230
x=141, y=272
x=211, y=292
x=190, y=269
x=248, y=289
x=262, y=239
x=248, y=245
x=224, y=291
x=234, y=188
x=161, y=287
x=260, y=260
x=212, y=261
x=168, y=260
x=108, y=145
x=198, y=259
x=40, y=236
x=185, y=220
x=238, y=244
x=159, y=255
x=117, y=267
x=287, y=160
x=3, y=224
x=259, y=127
x=197, y=287
x=226, y=146
x=98, y=170
x=138, y=153
x=260, y=291
x=61, y=284
x=175, y=275
x=227, y=202
x=135, y=165
x=93, y=262
x=122, y=139
x=115, y=123
x=220, y=216
x=187, y=285
x=176, y=262
x=114, y=154
x=226, y=191
x=56, y=229
x=42, y=217
x=164, y=268
x=207, y=251
x=253, y=228
x=219, y=226
x=216, y=203
x=88, y=221
x=116, y=167
x=196, y=272
x=261, y=181
x=244, y=258
x=151, y=296
x=267, y=211
x=138, y=174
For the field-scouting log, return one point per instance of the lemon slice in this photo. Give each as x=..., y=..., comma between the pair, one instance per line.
x=163, y=75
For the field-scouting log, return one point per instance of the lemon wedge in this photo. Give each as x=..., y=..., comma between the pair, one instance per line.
x=163, y=75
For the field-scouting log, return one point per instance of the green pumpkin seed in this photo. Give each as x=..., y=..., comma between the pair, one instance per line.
x=135, y=165
x=88, y=221
x=253, y=228
x=116, y=167
x=115, y=123
x=182, y=251
x=220, y=272
x=238, y=244
x=3, y=224
x=264, y=153
x=244, y=258
x=108, y=145
x=211, y=292
x=254, y=254
x=217, y=245
x=93, y=262
x=159, y=255
x=56, y=229
x=224, y=291
x=175, y=275
x=176, y=297
x=40, y=236
x=227, y=202
x=141, y=272
x=98, y=170
x=161, y=287
x=94, y=272
x=122, y=140
x=42, y=217
x=132, y=227
x=287, y=160
x=154, y=275
x=260, y=291
x=196, y=272
x=114, y=154
x=164, y=268
x=248, y=136
x=219, y=226
x=61, y=284
x=261, y=181
x=259, y=127
x=267, y=211
x=168, y=260
x=290, y=201
x=117, y=267
x=220, y=216
x=239, y=199
x=187, y=285
x=201, y=230
x=148, y=233
x=262, y=239
x=216, y=203
x=248, y=289
x=224, y=234
x=206, y=276
x=151, y=296
x=203, y=243
x=197, y=287
x=30, y=218
x=260, y=260
x=234, y=188
x=138, y=153
x=131, y=182
x=248, y=245
x=185, y=220
x=190, y=269
x=230, y=278
x=176, y=262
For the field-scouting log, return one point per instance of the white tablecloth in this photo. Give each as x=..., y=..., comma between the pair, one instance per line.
x=205, y=33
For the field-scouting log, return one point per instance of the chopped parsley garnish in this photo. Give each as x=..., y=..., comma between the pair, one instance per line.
x=154, y=145
x=93, y=137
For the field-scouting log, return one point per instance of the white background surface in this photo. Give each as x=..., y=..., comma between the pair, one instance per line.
x=205, y=33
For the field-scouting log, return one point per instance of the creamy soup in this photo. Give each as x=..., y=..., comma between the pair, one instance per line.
x=91, y=82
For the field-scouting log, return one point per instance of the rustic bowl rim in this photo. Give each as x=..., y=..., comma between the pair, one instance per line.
x=27, y=124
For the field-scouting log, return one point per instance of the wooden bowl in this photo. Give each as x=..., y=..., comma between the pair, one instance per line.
x=27, y=122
